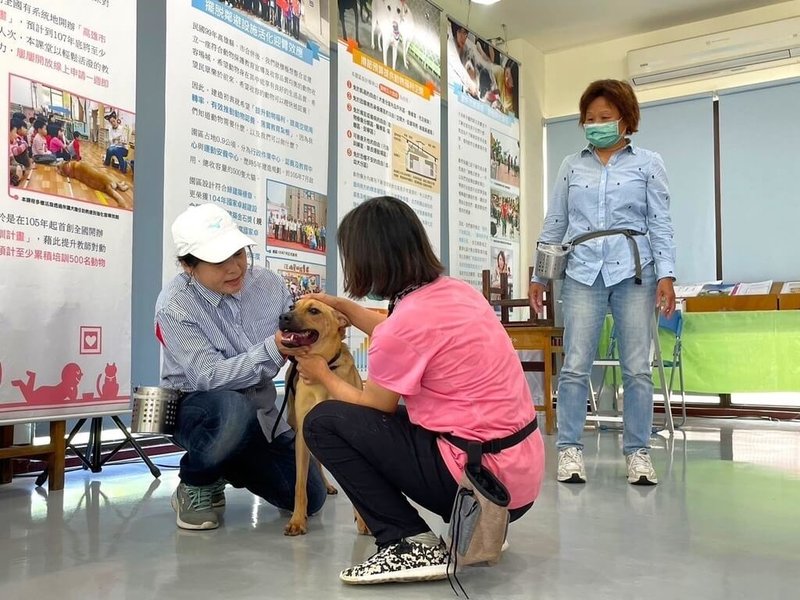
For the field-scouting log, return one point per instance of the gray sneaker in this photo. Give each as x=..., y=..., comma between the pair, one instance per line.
x=193, y=507
x=640, y=468
x=570, y=466
x=218, y=495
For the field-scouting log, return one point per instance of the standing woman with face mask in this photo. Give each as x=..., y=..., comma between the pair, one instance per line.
x=610, y=184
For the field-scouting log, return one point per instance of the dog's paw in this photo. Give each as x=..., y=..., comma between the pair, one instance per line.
x=332, y=491
x=361, y=526
x=296, y=527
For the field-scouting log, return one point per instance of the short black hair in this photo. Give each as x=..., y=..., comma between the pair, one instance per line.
x=190, y=260
x=38, y=124
x=384, y=249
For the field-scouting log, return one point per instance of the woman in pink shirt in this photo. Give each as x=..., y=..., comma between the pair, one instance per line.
x=444, y=351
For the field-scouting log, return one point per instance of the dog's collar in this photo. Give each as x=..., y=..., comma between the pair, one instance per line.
x=331, y=363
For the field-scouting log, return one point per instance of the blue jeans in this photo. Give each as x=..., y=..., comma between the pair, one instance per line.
x=223, y=439
x=120, y=152
x=584, y=310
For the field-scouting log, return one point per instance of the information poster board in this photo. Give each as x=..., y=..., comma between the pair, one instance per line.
x=484, y=184
x=247, y=99
x=69, y=80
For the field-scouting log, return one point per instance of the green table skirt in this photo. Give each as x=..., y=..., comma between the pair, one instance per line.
x=734, y=352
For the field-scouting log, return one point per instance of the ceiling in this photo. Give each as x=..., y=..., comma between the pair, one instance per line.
x=552, y=25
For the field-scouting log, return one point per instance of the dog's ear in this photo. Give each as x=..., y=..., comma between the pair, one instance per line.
x=344, y=323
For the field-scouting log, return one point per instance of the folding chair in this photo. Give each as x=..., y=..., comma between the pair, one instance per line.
x=611, y=360
x=674, y=325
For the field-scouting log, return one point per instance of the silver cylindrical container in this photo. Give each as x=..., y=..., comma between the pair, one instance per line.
x=551, y=260
x=154, y=410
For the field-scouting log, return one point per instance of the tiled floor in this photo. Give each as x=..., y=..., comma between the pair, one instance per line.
x=723, y=523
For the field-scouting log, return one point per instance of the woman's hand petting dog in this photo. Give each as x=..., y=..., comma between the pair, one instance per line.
x=312, y=368
x=332, y=301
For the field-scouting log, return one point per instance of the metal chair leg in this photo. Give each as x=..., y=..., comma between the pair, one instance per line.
x=668, y=422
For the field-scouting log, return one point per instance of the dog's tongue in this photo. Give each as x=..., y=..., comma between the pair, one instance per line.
x=294, y=339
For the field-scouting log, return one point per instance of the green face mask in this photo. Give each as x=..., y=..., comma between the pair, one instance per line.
x=376, y=297
x=602, y=135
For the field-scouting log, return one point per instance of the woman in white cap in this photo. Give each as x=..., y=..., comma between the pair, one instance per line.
x=218, y=324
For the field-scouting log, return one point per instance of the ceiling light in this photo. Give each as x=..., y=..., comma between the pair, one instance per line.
x=487, y=2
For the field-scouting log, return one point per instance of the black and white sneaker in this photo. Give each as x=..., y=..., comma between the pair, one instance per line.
x=404, y=561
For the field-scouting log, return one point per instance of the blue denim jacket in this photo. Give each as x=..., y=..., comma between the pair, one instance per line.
x=630, y=192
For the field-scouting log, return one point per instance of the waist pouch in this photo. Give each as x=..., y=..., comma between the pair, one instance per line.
x=558, y=268
x=479, y=519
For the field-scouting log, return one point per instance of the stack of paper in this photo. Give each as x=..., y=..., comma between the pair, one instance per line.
x=751, y=289
x=791, y=287
x=688, y=291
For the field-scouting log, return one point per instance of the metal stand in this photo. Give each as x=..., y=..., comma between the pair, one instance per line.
x=92, y=458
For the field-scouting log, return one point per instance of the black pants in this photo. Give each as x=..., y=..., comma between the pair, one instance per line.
x=379, y=459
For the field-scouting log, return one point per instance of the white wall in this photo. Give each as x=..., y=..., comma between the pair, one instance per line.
x=552, y=84
x=568, y=72
x=532, y=97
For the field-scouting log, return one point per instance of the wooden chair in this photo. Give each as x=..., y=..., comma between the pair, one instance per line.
x=500, y=298
x=537, y=332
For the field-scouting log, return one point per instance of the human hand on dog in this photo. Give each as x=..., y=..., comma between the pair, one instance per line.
x=312, y=368
x=286, y=350
x=332, y=301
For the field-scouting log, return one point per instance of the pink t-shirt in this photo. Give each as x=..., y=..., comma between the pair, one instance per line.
x=55, y=145
x=445, y=351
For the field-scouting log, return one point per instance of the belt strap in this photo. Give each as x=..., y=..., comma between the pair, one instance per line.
x=475, y=449
x=628, y=233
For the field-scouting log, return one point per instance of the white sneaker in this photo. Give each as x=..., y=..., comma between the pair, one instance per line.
x=570, y=466
x=640, y=468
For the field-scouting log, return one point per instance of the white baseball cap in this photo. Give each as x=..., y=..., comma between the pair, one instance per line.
x=209, y=233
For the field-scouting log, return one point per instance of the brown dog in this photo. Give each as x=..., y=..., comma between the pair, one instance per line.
x=97, y=179
x=316, y=325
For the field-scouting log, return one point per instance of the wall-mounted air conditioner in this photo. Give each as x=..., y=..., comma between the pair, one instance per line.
x=745, y=49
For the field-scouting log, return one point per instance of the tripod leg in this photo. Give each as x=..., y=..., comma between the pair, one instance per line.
x=96, y=444
x=156, y=472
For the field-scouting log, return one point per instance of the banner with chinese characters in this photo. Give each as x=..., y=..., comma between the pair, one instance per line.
x=389, y=88
x=68, y=79
x=389, y=126
x=484, y=184
x=247, y=99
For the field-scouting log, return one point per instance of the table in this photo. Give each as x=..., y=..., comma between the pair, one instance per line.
x=54, y=453
x=549, y=341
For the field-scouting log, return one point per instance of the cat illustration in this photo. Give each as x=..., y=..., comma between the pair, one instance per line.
x=66, y=391
x=110, y=387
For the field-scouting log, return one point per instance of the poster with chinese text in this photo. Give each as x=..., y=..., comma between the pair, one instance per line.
x=68, y=81
x=389, y=89
x=247, y=127
x=389, y=119
x=484, y=184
